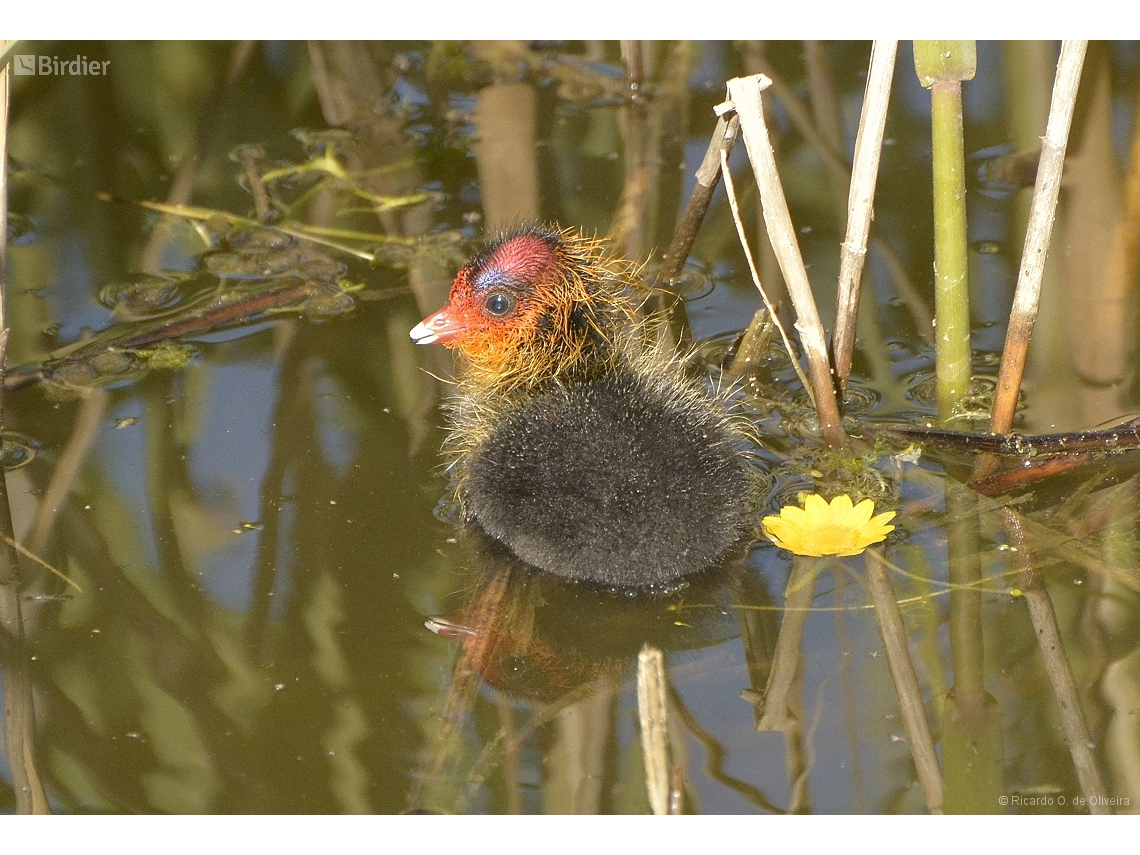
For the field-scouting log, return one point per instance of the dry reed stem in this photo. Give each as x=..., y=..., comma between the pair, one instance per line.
x=840, y=176
x=651, y=709
x=860, y=204
x=838, y=171
x=730, y=188
x=902, y=675
x=1027, y=295
x=1058, y=669
x=745, y=94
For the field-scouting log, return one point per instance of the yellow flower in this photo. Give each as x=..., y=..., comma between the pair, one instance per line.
x=818, y=528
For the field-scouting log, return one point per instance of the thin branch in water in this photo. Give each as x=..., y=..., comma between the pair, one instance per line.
x=860, y=204
x=299, y=231
x=707, y=175
x=23, y=550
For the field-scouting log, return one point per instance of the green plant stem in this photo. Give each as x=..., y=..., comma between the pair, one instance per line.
x=951, y=285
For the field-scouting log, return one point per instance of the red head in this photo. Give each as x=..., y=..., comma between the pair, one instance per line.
x=498, y=296
x=529, y=307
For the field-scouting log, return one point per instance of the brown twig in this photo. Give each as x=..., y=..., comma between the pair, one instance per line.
x=222, y=309
x=1110, y=440
x=708, y=175
x=1031, y=472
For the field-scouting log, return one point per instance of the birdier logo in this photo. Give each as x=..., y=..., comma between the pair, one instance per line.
x=30, y=63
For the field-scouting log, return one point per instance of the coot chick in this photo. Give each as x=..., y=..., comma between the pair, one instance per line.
x=579, y=442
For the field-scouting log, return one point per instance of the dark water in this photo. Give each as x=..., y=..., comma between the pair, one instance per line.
x=241, y=482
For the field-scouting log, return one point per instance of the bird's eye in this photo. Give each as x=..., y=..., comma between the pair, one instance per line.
x=499, y=303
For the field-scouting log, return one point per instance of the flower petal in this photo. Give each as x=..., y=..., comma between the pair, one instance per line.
x=861, y=513
x=841, y=509
x=838, y=527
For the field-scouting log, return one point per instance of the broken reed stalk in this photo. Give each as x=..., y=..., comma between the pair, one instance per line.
x=745, y=95
x=730, y=189
x=1057, y=668
x=651, y=708
x=707, y=175
x=840, y=176
x=860, y=204
x=19, y=709
x=909, y=696
x=1027, y=294
x=941, y=68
